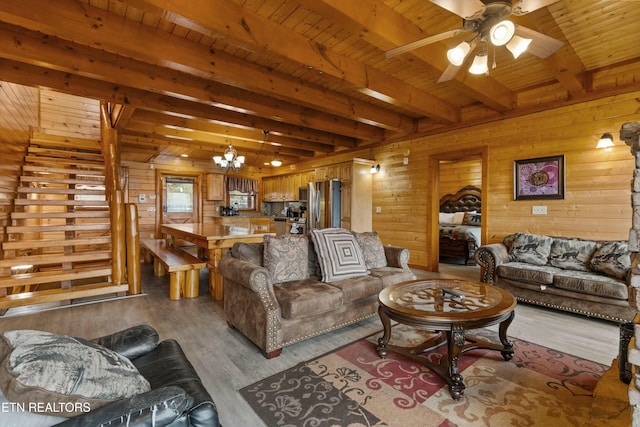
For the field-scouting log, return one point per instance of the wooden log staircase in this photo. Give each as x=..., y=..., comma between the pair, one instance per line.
x=58, y=245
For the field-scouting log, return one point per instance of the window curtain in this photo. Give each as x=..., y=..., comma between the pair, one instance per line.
x=243, y=185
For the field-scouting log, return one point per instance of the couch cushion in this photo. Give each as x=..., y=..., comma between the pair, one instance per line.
x=526, y=272
x=250, y=252
x=592, y=284
x=286, y=257
x=339, y=254
x=304, y=298
x=613, y=259
x=392, y=275
x=531, y=248
x=357, y=288
x=72, y=374
x=571, y=254
x=372, y=249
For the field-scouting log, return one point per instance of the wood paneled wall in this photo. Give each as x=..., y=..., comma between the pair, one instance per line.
x=455, y=174
x=597, y=203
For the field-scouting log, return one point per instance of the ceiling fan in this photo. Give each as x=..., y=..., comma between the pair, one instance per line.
x=488, y=21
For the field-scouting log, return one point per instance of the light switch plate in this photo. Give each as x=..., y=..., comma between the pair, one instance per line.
x=539, y=210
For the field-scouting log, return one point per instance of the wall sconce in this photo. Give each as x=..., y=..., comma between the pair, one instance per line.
x=374, y=169
x=606, y=141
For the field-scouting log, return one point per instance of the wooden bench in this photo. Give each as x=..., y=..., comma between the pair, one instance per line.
x=183, y=268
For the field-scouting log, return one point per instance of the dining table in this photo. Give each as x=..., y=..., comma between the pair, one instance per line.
x=212, y=240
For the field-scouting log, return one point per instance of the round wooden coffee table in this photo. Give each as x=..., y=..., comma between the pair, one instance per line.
x=448, y=307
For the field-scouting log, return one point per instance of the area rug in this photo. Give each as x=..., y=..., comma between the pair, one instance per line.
x=353, y=387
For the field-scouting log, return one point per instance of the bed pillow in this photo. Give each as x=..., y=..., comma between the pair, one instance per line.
x=372, y=249
x=70, y=374
x=286, y=257
x=446, y=218
x=612, y=259
x=339, y=254
x=531, y=248
x=475, y=219
x=458, y=217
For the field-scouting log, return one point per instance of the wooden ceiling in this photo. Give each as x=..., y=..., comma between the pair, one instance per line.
x=193, y=76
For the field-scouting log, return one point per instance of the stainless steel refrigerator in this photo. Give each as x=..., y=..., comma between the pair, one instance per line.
x=323, y=207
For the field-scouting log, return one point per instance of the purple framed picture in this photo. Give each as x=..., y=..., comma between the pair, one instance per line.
x=541, y=178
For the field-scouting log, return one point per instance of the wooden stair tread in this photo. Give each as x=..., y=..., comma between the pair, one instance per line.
x=45, y=202
x=55, y=161
x=47, y=140
x=24, y=279
x=60, y=294
x=48, y=179
x=54, y=152
x=49, y=190
x=68, y=171
x=49, y=228
x=51, y=215
x=57, y=258
x=36, y=244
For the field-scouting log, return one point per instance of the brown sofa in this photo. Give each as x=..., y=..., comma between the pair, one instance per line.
x=272, y=311
x=580, y=276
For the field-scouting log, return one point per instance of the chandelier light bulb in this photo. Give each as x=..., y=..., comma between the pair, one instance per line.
x=479, y=65
x=217, y=159
x=502, y=32
x=241, y=160
x=457, y=54
x=517, y=45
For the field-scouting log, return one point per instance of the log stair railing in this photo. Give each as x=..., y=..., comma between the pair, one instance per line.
x=59, y=244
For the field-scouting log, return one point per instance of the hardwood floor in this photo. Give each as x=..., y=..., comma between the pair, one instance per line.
x=227, y=361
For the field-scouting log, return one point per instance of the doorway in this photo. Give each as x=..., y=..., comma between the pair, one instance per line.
x=179, y=200
x=451, y=172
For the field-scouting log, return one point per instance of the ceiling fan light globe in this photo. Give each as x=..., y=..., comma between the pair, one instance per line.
x=479, y=65
x=517, y=45
x=502, y=32
x=457, y=54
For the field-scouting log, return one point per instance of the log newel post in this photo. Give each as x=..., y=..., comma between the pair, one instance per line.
x=132, y=235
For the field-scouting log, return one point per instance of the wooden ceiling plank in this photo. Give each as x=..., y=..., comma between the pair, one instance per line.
x=261, y=34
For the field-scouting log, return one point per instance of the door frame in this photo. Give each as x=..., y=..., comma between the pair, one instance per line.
x=198, y=178
x=433, y=202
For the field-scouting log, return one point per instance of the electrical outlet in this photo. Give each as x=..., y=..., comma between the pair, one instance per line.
x=539, y=210
x=378, y=209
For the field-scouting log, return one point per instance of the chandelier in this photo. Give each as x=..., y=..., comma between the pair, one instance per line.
x=229, y=160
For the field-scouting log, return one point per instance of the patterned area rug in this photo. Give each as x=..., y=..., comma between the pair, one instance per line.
x=354, y=387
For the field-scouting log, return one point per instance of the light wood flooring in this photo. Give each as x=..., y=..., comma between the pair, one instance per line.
x=226, y=361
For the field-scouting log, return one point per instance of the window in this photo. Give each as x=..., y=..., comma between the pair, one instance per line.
x=242, y=193
x=179, y=194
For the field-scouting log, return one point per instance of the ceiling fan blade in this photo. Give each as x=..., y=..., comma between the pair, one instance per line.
x=464, y=8
x=523, y=7
x=422, y=42
x=541, y=45
x=449, y=73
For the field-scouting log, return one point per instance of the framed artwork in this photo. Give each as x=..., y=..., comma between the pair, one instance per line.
x=541, y=178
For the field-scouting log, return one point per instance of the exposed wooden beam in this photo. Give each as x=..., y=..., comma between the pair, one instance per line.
x=66, y=19
x=256, y=33
x=30, y=75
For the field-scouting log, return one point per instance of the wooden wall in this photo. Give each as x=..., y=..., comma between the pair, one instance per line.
x=597, y=203
x=455, y=174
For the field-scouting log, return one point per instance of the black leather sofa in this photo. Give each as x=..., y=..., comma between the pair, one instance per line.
x=177, y=396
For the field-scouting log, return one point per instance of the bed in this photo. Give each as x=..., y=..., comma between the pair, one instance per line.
x=460, y=217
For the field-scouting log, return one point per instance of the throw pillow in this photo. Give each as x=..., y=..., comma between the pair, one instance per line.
x=70, y=375
x=339, y=254
x=613, y=259
x=571, y=254
x=372, y=249
x=531, y=248
x=475, y=219
x=286, y=257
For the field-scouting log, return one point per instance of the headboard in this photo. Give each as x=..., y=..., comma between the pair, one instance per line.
x=466, y=199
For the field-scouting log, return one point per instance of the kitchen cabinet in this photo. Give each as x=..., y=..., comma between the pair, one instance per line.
x=283, y=188
x=215, y=186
